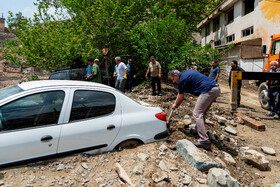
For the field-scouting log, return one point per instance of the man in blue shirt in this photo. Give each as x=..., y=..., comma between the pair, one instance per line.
x=191, y=81
x=215, y=71
x=90, y=63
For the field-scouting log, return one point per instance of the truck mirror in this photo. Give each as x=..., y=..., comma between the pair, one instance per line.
x=264, y=49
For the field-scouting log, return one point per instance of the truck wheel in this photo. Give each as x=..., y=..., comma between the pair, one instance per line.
x=263, y=101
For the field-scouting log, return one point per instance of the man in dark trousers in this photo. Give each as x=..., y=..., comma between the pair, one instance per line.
x=207, y=90
x=155, y=69
x=235, y=67
x=131, y=74
x=274, y=92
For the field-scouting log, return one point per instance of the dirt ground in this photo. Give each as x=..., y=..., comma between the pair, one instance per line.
x=99, y=170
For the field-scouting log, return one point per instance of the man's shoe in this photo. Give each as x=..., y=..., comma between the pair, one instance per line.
x=205, y=146
x=153, y=94
x=270, y=114
x=160, y=94
x=276, y=116
x=193, y=132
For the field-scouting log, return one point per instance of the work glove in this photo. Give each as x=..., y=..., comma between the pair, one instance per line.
x=125, y=76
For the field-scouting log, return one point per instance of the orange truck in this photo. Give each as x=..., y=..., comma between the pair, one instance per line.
x=273, y=55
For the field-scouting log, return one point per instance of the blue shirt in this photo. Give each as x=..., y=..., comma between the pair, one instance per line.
x=191, y=81
x=213, y=72
x=128, y=68
x=88, y=70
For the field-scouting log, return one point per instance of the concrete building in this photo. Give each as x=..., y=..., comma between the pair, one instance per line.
x=248, y=24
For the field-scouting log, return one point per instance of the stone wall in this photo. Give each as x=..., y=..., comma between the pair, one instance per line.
x=2, y=24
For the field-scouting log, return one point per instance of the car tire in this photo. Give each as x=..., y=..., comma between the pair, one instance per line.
x=128, y=144
x=262, y=98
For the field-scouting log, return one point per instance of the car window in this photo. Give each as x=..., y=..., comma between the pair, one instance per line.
x=59, y=76
x=88, y=104
x=9, y=91
x=275, y=49
x=76, y=75
x=31, y=111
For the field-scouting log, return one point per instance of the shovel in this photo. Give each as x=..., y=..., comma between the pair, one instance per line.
x=171, y=112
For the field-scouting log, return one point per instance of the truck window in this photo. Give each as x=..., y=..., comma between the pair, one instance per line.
x=275, y=49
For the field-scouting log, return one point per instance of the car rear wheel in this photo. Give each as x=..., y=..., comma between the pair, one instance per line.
x=128, y=144
x=262, y=96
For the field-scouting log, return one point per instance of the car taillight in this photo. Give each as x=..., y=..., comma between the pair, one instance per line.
x=161, y=116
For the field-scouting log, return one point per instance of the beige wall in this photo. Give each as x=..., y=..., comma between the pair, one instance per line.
x=265, y=20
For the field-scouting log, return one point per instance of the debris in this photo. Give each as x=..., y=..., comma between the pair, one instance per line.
x=219, y=177
x=139, y=169
x=84, y=165
x=255, y=158
x=142, y=156
x=187, y=180
x=60, y=167
x=229, y=130
x=220, y=162
x=160, y=176
x=163, y=148
x=194, y=156
x=220, y=119
x=268, y=150
x=229, y=158
x=201, y=181
x=251, y=122
x=162, y=165
x=123, y=175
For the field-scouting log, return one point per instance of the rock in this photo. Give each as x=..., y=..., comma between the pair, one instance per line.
x=219, y=178
x=139, y=169
x=220, y=162
x=142, y=156
x=2, y=183
x=277, y=185
x=211, y=136
x=163, y=148
x=268, y=150
x=187, y=180
x=60, y=167
x=220, y=119
x=201, y=181
x=238, y=120
x=229, y=130
x=231, y=122
x=85, y=181
x=209, y=122
x=174, y=169
x=43, y=177
x=224, y=138
x=255, y=158
x=187, y=121
x=99, y=180
x=160, y=176
x=187, y=117
x=162, y=165
x=84, y=165
x=229, y=158
x=1, y=175
x=194, y=156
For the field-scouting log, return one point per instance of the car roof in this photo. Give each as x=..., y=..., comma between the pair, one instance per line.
x=53, y=83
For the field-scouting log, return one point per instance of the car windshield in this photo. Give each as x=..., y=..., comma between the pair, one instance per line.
x=9, y=91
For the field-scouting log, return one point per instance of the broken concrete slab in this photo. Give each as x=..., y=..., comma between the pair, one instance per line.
x=218, y=177
x=255, y=158
x=268, y=150
x=194, y=156
x=229, y=130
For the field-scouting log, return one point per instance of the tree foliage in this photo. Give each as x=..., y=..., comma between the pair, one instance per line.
x=65, y=30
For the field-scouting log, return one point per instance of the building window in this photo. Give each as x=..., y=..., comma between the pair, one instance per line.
x=247, y=32
x=249, y=6
x=217, y=43
x=230, y=38
x=216, y=24
x=207, y=28
x=230, y=16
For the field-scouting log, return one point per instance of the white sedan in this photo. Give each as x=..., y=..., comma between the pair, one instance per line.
x=46, y=118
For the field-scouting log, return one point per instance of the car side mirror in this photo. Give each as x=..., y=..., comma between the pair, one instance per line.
x=263, y=49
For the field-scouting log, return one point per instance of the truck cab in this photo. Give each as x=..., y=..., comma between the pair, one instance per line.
x=273, y=55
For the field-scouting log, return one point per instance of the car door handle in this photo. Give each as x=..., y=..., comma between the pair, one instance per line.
x=110, y=127
x=46, y=138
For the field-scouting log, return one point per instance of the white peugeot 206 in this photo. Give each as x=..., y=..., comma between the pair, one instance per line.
x=39, y=119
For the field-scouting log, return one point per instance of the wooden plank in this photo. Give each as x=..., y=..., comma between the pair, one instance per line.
x=251, y=122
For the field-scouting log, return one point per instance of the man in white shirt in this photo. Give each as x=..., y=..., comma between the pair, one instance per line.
x=122, y=74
